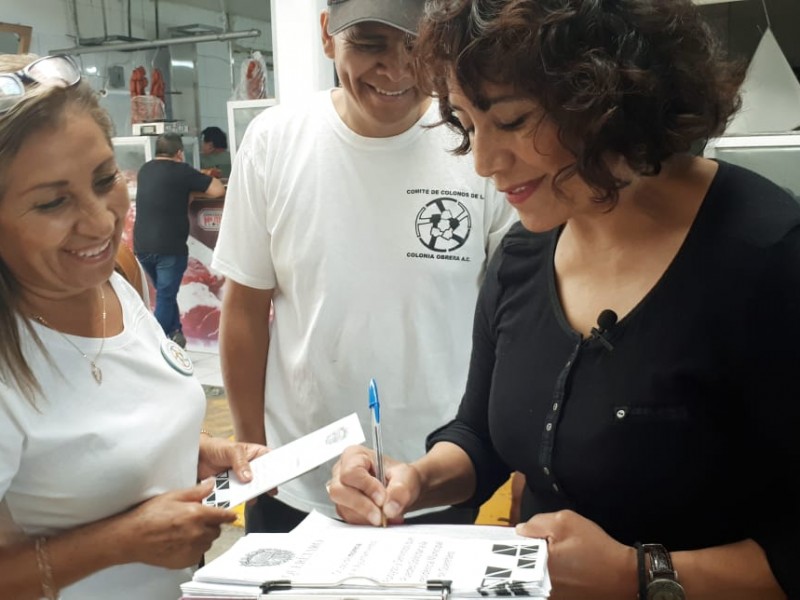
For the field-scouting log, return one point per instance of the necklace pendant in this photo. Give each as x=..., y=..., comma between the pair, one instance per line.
x=97, y=373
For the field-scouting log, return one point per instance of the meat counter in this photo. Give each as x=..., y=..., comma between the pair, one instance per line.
x=200, y=295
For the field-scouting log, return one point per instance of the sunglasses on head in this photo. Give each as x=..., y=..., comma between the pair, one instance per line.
x=53, y=71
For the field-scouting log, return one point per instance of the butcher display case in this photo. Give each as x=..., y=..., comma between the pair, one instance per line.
x=240, y=113
x=199, y=297
x=132, y=152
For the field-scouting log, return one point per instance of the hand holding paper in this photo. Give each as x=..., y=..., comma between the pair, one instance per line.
x=287, y=462
x=218, y=454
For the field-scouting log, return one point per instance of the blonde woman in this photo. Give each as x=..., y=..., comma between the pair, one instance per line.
x=100, y=416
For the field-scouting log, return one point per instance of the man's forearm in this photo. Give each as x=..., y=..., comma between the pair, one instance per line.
x=244, y=343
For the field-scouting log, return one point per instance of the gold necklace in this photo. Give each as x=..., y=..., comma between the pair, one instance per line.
x=97, y=373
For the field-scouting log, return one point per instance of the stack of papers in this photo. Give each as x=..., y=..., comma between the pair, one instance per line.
x=324, y=557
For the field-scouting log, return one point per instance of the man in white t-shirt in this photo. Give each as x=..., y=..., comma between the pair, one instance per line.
x=349, y=214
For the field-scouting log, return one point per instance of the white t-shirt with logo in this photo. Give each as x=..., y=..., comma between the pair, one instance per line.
x=86, y=452
x=375, y=248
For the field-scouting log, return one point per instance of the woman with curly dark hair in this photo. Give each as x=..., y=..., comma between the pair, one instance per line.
x=666, y=425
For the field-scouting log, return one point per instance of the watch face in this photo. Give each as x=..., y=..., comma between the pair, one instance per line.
x=665, y=589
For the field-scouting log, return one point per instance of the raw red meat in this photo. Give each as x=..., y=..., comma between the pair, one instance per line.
x=200, y=311
x=197, y=272
x=201, y=323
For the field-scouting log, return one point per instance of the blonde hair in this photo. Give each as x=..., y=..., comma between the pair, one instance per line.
x=41, y=108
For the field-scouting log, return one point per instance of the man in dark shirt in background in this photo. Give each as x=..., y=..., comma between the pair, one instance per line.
x=165, y=186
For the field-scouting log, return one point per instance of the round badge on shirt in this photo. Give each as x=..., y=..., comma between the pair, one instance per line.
x=177, y=357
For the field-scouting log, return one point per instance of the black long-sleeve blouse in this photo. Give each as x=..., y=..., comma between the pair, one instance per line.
x=687, y=432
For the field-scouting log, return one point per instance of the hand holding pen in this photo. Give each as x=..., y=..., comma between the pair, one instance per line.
x=359, y=486
x=360, y=498
x=377, y=438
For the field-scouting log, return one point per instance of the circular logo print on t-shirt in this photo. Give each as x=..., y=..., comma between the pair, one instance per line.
x=176, y=357
x=443, y=225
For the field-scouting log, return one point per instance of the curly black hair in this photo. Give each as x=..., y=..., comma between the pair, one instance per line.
x=643, y=79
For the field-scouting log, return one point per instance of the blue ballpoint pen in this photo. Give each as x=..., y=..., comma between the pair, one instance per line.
x=377, y=438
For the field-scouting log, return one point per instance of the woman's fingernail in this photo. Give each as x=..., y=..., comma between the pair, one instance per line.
x=247, y=473
x=392, y=509
x=375, y=517
x=377, y=498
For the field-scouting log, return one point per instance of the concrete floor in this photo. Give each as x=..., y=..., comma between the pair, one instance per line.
x=229, y=535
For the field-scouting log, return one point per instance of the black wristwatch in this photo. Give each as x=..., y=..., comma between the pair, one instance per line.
x=662, y=582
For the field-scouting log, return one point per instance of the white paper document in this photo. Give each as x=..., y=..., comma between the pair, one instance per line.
x=323, y=557
x=287, y=462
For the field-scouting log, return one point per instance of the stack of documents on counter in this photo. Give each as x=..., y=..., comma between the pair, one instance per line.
x=323, y=557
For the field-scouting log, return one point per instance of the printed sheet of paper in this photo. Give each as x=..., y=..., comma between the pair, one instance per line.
x=479, y=563
x=287, y=462
x=318, y=524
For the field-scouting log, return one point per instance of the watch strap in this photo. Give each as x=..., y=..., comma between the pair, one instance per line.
x=641, y=571
x=660, y=562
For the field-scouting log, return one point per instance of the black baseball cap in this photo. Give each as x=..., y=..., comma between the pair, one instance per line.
x=401, y=14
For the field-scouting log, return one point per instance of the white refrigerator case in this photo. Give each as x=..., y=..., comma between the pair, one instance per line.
x=240, y=113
